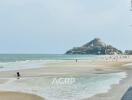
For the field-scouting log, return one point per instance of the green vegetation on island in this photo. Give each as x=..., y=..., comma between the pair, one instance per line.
x=95, y=47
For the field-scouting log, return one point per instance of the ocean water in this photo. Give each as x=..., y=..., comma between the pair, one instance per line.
x=26, y=61
x=24, y=57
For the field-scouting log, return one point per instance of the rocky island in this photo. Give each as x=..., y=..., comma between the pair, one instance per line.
x=95, y=47
x=128, y=52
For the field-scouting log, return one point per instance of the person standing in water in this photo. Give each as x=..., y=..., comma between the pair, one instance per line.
x=18, y=75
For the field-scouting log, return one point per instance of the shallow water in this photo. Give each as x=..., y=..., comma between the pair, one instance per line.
x=83, y=87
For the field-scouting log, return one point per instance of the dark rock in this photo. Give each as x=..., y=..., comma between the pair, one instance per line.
x=128, y=52
x=95, y=47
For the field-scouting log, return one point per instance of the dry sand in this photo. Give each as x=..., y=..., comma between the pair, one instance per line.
x=18, y=96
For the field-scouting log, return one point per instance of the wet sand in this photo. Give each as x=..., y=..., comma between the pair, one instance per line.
x=76, y=68
x=117, y=91
x=68, y=67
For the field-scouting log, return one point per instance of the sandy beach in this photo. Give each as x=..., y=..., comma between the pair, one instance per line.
x=18, y=96
x=73, y=68
x=65, y=49
x=70, y=67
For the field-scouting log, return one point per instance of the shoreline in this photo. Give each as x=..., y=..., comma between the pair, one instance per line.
x=77, y=68
x=116, y=91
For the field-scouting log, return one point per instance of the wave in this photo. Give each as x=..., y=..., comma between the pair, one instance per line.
x=6, y=66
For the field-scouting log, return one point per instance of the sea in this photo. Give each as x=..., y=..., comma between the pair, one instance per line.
x=85, y=86
x=26, y=61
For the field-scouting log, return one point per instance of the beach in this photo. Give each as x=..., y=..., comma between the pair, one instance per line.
x=100, y=68
x=18, y=96
x=65, y=49
x=117, y=91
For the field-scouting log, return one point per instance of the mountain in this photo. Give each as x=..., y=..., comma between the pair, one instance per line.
x=95, y=47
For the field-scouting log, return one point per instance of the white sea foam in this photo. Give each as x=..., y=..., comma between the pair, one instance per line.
x=6, y=66
x=84, y=87
x=27, y=64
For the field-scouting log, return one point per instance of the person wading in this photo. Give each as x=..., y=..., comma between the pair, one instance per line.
x=18, y=75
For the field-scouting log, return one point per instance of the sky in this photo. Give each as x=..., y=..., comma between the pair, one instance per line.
x=55, y=26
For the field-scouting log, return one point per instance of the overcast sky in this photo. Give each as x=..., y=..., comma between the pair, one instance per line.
x=54, y=26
